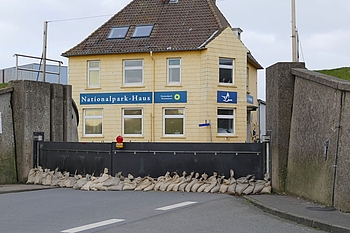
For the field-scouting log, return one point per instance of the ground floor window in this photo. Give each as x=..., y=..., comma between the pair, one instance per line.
x=174, y=121
x=93, y=122
x=132, y=122
x=226, y=121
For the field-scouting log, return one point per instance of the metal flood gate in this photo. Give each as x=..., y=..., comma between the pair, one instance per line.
x=155, y=159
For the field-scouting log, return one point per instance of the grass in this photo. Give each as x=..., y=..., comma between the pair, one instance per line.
x=2, y=85
x=342, y=73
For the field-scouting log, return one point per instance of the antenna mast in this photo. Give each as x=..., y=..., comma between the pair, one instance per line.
x=295, y=47
x=44, y=50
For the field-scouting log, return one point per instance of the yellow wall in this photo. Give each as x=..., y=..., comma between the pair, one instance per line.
x=199, y=77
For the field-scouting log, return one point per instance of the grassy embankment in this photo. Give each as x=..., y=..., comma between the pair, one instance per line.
x=342, y=73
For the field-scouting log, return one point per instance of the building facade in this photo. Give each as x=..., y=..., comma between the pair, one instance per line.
x=148, y=78
x=31, y=73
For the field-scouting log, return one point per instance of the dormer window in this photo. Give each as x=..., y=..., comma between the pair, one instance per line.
x=118, y=32
x=142, y=31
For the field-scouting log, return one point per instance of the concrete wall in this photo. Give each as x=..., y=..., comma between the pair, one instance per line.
x=8, y=172
x=27, y=107
x=279, y=99
x=31, y=112
x=305, y=109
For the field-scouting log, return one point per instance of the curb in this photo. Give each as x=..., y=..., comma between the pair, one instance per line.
x=298, y=219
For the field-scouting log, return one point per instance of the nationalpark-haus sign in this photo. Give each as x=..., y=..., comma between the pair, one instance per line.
x=133, y=97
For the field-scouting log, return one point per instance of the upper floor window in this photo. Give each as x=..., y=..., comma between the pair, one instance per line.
x=174, y=70
x=132, y=122
x=118, y=32
x=174, y=121
x=93, y=73
x=226, y=121
x=142, y=31
x=247, y=80
x=93, y=122
x=226, y=70
x=133, y=72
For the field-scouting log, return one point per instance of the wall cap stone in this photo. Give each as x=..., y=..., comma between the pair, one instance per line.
x=6, y=90
x=327, y=80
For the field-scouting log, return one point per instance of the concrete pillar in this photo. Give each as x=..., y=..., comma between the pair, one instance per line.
x=279, y=102
x=57, y=105
x=31, y=113
x=7, y=142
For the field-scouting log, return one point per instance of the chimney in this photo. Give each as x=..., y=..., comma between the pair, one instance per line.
x=237, y=32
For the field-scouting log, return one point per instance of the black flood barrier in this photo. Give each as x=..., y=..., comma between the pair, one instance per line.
x=80, y=157
x=155, y=159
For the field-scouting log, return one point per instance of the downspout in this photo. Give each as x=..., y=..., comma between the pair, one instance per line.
x=153, y=90
x=342, y=98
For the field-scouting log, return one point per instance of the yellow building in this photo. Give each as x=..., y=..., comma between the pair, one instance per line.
x=165, y=70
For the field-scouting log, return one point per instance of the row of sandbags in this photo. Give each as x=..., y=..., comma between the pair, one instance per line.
x=185, y=183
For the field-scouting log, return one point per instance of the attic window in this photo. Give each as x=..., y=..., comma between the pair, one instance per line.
x=142, y=31
x=118, y=32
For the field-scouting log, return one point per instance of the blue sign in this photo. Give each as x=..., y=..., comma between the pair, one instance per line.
x=250, y=99
x=204, y=124
x=116, y=98
x=170, y=97
x=227, y=97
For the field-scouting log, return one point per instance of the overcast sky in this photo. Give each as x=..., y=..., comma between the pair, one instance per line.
x=323, y=25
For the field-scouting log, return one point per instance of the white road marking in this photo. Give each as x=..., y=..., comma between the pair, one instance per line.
x=169, y=207
x=93, y=225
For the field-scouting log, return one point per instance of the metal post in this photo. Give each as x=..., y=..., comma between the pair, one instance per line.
x=211, y=135
x=294, y=35
x=16, y=67
x=59, y=72
x=44, y=50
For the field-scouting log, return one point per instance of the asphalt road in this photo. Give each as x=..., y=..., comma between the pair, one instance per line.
x=70, y=211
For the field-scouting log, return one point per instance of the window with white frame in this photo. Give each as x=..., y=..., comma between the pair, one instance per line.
x=226, y=121
x=93, y=73
x=93, y=122
x=174, y=121
x=226, y=70
x=174, y=70
x=133, y=72
x=132, y=122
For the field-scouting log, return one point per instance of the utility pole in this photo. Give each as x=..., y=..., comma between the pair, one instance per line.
x=44, y=49
x=295, y=46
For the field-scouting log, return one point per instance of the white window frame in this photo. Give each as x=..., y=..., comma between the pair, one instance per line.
x=174, y=117
x=232, y=117
x=94, y=69
x=132, y=117
x=232, y=67
x=92, y=117
x=173, y=67
x=126, y=68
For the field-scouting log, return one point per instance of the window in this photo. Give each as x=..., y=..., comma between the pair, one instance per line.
x=133, y=72
x=132, y=122
x=142, y=31
x=93, y=122
x=93, y=73
x=247, y=80
x=118, y=32
x=226, y=121
x=226, y=70
x=174, y=121
x=174, y=70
